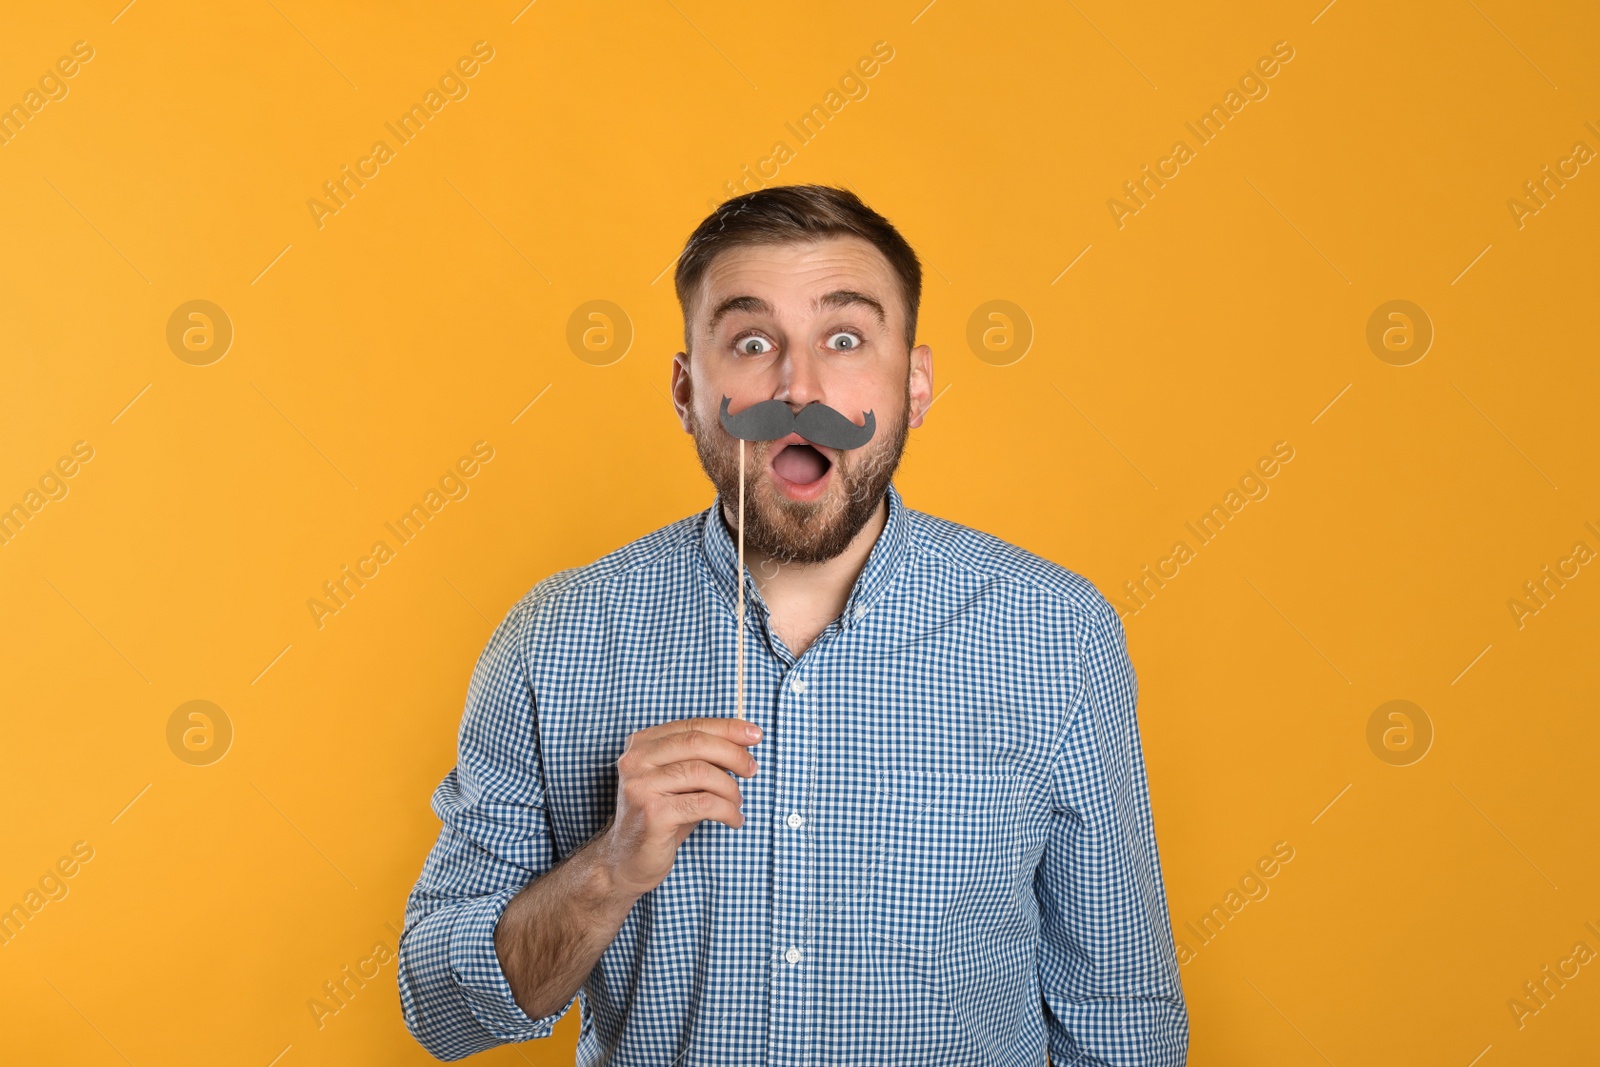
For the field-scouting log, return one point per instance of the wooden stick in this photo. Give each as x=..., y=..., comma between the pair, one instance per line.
x=739, y=669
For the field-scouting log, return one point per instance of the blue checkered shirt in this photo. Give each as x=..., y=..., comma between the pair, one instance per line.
x=948, y=855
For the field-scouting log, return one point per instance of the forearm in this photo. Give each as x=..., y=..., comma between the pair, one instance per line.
x=554, y=931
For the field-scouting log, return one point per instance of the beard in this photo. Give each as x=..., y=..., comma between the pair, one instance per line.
x=794, y=531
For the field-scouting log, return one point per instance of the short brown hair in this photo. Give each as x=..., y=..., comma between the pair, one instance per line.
x=784, y=213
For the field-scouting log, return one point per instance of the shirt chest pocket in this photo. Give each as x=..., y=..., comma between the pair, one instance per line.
x=942, y=864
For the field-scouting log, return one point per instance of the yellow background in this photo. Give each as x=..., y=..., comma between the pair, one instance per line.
x=369, y=353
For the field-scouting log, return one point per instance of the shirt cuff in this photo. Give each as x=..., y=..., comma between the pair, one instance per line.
x=475, y=966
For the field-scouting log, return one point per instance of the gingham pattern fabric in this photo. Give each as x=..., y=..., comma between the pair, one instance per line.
x=948, y=854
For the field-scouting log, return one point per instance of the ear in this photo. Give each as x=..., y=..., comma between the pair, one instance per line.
x=682, y=389
x=920, y=383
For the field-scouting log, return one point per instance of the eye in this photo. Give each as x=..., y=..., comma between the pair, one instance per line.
x=852, y=341
x=742, y=345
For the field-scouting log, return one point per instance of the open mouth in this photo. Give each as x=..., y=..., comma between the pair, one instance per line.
x=801, y=463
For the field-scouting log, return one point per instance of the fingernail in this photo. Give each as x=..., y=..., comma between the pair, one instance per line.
x=752, y=731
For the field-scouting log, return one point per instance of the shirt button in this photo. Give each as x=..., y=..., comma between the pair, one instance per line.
x=793, y=955
x=798, y=685
x=794, y=820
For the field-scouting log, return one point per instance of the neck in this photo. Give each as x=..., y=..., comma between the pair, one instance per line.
x=817, y=589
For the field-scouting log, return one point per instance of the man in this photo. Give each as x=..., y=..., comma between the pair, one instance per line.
x=936, y=844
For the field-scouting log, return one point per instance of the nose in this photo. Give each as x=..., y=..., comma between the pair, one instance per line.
x=801, y=380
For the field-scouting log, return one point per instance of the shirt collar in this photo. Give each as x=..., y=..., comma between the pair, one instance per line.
x=884, y=562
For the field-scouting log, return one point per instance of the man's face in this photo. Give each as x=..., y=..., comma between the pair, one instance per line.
x=821, y=320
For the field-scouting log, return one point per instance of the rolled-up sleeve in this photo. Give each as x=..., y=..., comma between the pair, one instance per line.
x=495, y=839
x=1108, y=967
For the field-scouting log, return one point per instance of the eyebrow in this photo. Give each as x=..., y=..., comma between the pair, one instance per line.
x=839, y=298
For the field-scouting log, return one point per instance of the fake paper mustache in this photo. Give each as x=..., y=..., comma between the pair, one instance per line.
x=817, y=422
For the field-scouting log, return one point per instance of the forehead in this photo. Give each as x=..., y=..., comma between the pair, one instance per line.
x=790, y=276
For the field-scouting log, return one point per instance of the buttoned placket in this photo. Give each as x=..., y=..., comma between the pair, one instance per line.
x=787, y=761
x=792, y=989
x=792, y=944
x=793, y=861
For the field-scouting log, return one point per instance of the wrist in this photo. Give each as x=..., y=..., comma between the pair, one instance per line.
x=603, y=883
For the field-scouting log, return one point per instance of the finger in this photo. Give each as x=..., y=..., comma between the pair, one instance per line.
x=734, y=729
x=690, y=809
x=697, y=745
x=691, y=776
